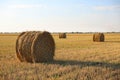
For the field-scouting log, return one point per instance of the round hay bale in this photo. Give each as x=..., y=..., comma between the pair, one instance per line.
x=35, y=46
x=98, y=37
x=17, y=46
x=62, y=35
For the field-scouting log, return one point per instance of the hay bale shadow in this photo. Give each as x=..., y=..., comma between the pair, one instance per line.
x=85, y=64
x=112, y=41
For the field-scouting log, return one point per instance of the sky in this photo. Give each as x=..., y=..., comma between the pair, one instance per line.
x=60, y=15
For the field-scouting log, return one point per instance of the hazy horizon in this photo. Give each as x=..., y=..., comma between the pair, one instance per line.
x=60, y=15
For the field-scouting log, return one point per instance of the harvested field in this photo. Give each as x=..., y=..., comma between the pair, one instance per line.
x=76, y=58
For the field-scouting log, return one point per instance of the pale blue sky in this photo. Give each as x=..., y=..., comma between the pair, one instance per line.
x=60, y=15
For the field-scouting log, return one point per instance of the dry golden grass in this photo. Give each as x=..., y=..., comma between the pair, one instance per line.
x=76, y=58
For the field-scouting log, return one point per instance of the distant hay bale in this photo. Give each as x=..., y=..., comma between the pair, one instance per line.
x=98, y=37
x=62, y=35
x=35, y=46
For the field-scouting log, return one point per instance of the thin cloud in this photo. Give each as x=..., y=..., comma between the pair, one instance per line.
x=23, y=6
x=107, y=7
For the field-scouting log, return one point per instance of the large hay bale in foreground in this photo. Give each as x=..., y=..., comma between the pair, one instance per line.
x=62, y=35
x=98, y=37
x=35, y=46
